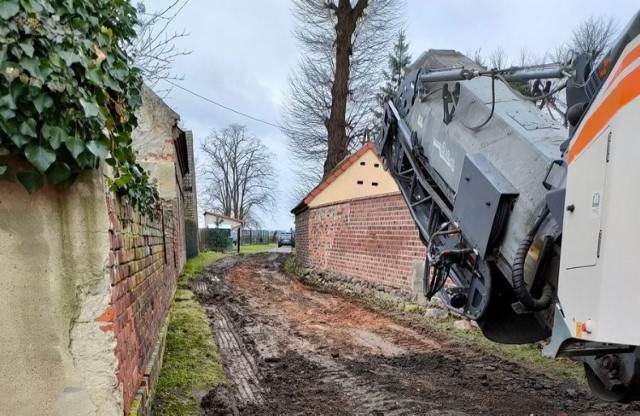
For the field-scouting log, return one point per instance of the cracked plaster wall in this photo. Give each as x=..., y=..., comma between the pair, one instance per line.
x=54, y=357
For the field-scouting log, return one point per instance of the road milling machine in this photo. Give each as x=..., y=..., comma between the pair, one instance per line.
x=530, y=222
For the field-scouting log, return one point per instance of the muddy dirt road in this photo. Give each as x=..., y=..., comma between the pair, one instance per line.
x=292, y=350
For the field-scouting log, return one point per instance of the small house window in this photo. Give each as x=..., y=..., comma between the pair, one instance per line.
x=360, y=182
x=374, y=183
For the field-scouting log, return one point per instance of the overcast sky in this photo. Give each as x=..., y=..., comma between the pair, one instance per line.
x=244, y=49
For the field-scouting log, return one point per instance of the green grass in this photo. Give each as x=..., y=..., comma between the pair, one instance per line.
x=256, y=248
x=197, y=264
x=191, y=364
x=290, y=268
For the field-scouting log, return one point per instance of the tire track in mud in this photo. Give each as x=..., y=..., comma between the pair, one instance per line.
x=365, y=396
x=290, y=350
x=237, y=359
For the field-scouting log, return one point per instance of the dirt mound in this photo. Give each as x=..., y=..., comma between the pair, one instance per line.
x=219, y=402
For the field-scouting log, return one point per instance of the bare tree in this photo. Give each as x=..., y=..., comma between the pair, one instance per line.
x=238, y=174
x=328, y=104
x=498, y=58
x=476, y=56
x=594, y=36
x=155, y=48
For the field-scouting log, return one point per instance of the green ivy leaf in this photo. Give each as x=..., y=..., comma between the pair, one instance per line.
x=95, y=75
x=19, y=139
x=9, y=8
x=10, y=70
x=99, y=149
x=55, y=135
x=56, y=86
x=7, y=113
x=55, y=60
x=7, y=101
x=70, y=180
x=3, y=169
x=28, y=49
x=31, y=179
x=119, y=72
x=65, y=52
x=69, y=58
x=58, y=172
x=4, y=151
x=90, y=108
x=31, y=6
x=28, y=128
x=111, y=83
x=42, y=102
x=86, y=160
x=39, y=156
x=46, y=5
x=75, y=146
x=123, y=180
x=32, y=66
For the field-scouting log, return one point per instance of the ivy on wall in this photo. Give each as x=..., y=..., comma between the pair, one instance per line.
x=68, y=94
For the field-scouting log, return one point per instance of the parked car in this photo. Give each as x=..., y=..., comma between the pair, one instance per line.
x=286, y=239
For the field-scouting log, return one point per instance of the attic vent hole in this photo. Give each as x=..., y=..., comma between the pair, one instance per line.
x=360, y=183
x=376, y=165
x=374, y=183
x=362, y=163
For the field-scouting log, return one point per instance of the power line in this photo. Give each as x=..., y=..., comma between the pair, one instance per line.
x=221, y=105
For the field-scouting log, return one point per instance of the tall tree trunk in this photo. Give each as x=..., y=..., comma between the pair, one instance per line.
x=336, y=124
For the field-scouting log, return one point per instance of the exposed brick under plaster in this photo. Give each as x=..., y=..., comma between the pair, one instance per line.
x=144, y=263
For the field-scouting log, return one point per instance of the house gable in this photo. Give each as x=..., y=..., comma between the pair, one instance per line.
x=362, y=177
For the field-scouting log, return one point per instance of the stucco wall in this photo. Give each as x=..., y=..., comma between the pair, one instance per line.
x=54, y=249
x=154, y=139
x=365, y=177
x=157, y=128
x=86, y=283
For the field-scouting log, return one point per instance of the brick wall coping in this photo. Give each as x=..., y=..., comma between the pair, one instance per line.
x=362, y=198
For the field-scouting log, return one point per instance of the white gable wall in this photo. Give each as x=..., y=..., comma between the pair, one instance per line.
x=364, y=178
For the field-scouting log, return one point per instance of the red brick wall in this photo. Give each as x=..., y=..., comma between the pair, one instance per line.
x=146, y=258
x=372, y=239
x=302, y=237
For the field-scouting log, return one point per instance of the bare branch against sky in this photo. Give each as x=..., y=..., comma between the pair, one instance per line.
x=238, y=175
x=594, y=35
x=154, y=50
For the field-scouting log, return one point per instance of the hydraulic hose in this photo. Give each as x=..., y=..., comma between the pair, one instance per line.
x=517, y=271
